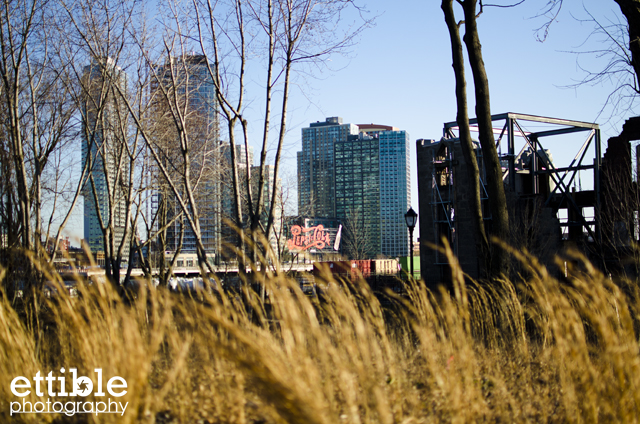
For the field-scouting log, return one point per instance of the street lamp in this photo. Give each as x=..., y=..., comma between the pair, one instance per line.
x=411, y=217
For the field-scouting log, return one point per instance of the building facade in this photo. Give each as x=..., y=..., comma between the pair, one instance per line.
x=104, y=141
x=547, y=212
x=357, y=187
x=395, y=191
x=183, y=87
x=316, y=182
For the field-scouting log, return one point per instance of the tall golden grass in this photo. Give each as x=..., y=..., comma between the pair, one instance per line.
x=536, y=350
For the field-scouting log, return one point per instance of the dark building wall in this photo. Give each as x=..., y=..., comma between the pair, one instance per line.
x=444, y=209
x=601, y=221
x=620, y=202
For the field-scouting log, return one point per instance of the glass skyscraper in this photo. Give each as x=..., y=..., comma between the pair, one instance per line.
x=104, y=140
x=357, y=184
x=183, y=87
x=395, y=192
x=316, y=182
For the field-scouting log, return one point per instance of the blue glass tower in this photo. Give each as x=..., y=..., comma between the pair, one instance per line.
x=104, y=140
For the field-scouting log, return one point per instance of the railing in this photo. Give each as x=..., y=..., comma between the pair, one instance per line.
x=220, y=269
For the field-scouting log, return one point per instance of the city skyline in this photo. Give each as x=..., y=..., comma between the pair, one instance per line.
x=418, y=89
x=519, y=301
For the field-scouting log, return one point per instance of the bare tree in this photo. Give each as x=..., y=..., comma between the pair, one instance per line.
x=8, y=210
x=609, y=61
x=119, y=72
x=290, y=32
x=497, y=260
x=18, y=29
x=616, y=44
x=107, y=151
x=468, y=149
x=162, y=102
x=97, y=35
x=158, y=216
x=37, y=112
x=359, y=240
x=631, y=10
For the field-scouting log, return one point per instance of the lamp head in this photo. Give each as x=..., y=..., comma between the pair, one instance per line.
x=411, y=218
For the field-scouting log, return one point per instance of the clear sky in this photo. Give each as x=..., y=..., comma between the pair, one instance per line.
x=399, y=73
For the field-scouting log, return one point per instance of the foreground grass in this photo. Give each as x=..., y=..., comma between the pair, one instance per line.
x=537, y=351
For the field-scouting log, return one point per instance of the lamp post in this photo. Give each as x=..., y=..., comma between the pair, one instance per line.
x=411, y=217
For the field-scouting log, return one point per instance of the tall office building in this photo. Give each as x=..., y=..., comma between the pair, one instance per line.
x=184, y=88
x=368, y=179
x=104, y=140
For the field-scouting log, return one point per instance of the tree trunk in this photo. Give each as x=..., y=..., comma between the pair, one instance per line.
x=495, y=186
x=482, y=245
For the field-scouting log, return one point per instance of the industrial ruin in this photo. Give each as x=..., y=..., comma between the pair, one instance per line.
x=586, y=201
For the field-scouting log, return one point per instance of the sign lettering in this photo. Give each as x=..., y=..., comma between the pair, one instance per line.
x=303, y=238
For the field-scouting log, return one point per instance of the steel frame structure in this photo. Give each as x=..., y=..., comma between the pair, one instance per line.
x=560, y=196
x=438, y=202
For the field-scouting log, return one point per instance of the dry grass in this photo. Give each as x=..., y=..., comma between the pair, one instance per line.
x=538, y=351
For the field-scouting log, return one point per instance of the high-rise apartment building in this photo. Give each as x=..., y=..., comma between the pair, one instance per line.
x=395, y=191
x=316, y=183
x=183, y=87
x=359, y=174
x=104, y=142
x=357, y=185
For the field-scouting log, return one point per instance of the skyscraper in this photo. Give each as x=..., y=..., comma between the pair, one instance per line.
x=366, y=184
x=357, y=185
x=183, y=88
x=316, y=183
x=395, y=191
x=105, y=136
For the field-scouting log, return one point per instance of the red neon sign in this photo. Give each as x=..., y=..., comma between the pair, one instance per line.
x=304, y=238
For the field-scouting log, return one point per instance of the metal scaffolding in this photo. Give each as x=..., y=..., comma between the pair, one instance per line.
x=542, y=167
x=442, y=206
